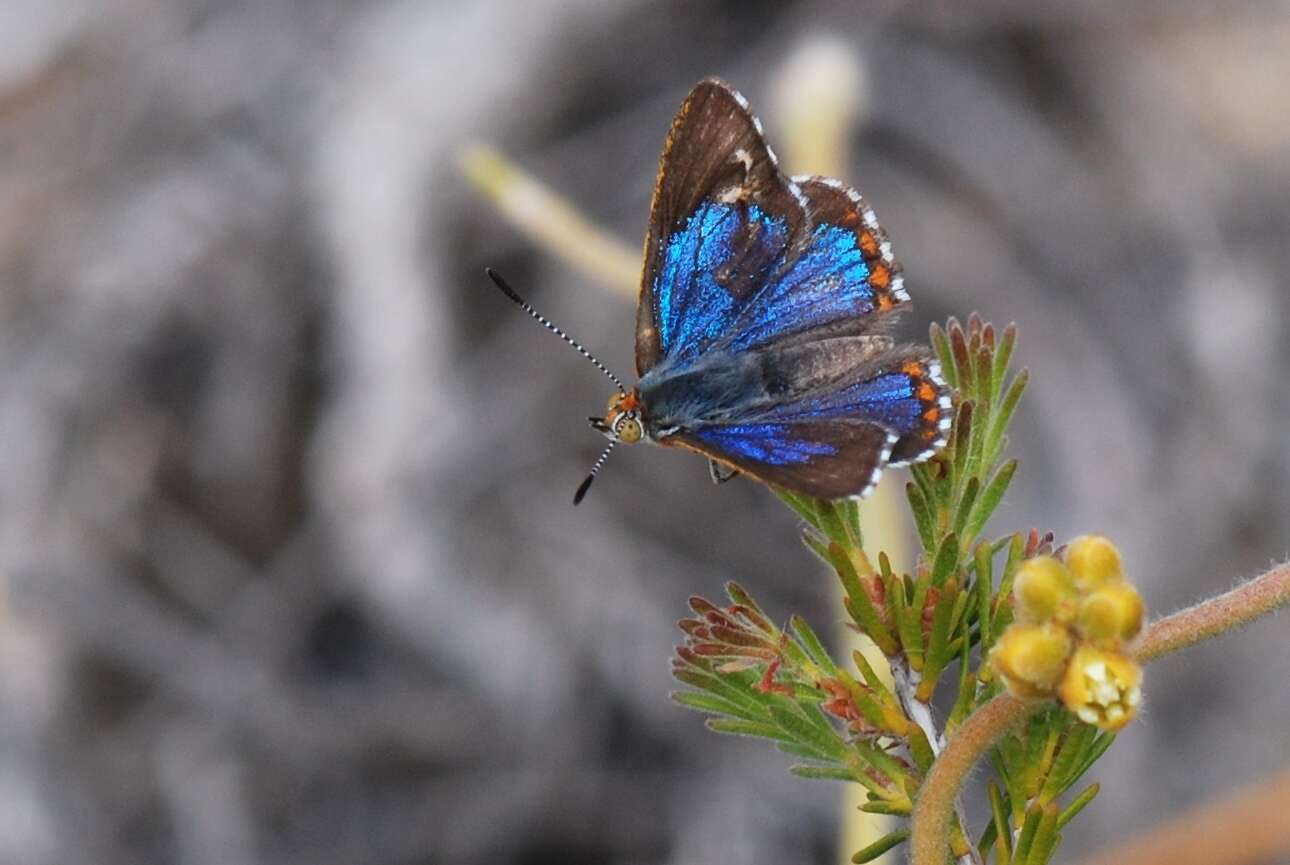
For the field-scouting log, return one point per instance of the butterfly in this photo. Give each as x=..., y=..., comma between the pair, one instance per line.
x=761, y=319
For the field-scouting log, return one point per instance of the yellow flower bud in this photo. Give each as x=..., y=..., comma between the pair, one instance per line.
x=1093, y=561
x=1102, y=688
x=1043, y=590
x=1110, y=615
x=1031, y=658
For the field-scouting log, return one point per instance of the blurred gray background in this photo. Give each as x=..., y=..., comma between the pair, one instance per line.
x=288, y=571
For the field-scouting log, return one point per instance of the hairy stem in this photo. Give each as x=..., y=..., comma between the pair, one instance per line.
x=906, y=684
x=1217, y=615
x=929, y=828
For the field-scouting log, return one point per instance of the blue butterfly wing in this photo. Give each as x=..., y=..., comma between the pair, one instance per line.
x=837, y=279
x=902, y=390
x=827, y=460
x=822, y=418
x=694, y=310
x=738, y=256
x=722, y=218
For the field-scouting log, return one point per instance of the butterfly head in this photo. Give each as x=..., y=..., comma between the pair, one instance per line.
x=622, y=421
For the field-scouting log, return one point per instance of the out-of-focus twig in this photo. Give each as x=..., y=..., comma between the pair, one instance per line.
x=551, y=222
x=817, y=97
x=1244, y=827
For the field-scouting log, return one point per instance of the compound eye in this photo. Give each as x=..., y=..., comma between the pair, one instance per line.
x=629, y=431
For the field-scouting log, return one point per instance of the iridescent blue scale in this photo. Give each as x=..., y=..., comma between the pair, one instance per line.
x=829, y=278
x=770, y=443
x=693, y=310
x=887, y=398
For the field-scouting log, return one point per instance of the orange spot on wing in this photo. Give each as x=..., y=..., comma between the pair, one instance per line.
x=880, y=277
x=868, y=244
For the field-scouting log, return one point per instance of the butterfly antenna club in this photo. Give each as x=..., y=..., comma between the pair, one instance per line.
x=591, y=476
x=542, y=320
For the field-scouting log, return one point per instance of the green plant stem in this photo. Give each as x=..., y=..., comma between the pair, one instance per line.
x=930, y=826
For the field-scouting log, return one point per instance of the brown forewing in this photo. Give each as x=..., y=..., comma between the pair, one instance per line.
x=715, y=149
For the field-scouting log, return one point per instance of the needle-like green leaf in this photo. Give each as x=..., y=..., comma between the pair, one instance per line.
x=882, y=845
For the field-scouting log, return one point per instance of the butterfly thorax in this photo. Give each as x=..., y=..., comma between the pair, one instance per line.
x=719, y=386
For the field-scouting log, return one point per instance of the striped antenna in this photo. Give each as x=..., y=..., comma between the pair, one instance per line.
x=586, y=484
x=542, y=320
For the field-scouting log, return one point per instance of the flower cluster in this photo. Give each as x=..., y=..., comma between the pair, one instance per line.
x=1074, y=621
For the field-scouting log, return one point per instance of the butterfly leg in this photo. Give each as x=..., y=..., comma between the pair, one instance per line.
x=716, y=472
